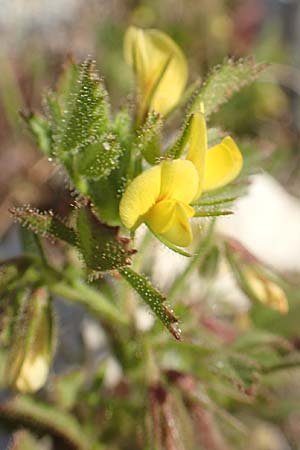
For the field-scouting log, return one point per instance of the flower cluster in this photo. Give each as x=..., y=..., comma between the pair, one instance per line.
x=162, y=196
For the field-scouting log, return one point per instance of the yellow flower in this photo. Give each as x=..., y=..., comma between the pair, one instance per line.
x=160, y=68
x=161, y=196
x=266, y=291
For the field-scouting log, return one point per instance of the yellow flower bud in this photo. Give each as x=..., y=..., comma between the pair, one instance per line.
x=31, y=352
x=33, y=373
x=160, y=68
x=266, y=291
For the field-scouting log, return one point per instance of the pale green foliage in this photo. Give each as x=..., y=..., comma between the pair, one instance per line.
x=99, y=245
x=45, y=224
x=153, y=298
x=101, y=248
x=148, y=138
x=224, y=81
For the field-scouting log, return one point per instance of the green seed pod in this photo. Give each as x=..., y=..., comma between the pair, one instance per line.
x=33, y=342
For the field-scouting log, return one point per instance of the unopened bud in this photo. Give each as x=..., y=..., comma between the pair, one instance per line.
x=31, y=353
x=266, y=291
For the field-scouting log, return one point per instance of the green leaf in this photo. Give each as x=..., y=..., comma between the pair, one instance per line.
x=41, y=131
x=67, y=83
x=221, y=196
x=106, y=193
x=101, y=248
x=241, y=371
x=201, y=251
x=153, y=298
x=85, y=113
x=66, y=387
x=215, y=201
x=8, y=272
x=38, y=414
x=148, y=137
x=45, y=224
x=246, y=368
x=105, y=197
x=99, y=158
x=210, y=264
x=211, y=213
x=6, y=321
x=224, y=81
x=214, y=135
x=122, y=127
x=176, y=150
x=255, y=339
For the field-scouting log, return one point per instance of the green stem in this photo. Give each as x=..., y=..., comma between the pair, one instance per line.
x=139, y=257
x=90, y=298
x=282, y=366
x=216, y=201
x=152, y=372
x=40, y=250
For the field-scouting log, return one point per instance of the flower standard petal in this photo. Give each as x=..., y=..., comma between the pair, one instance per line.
x=179, y=180
x=156, y=59
x=136, y=53
x=197, y=149
x=174, y=79
x=141, y=194
x=223, y=164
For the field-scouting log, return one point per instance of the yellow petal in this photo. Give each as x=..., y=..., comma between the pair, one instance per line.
x=141, y=194
x=159, y=216
x=136, y=52
x=170, y=220
x=266, y=291
x=179, y=181
x=33, y=373
x=198, y=147
x=223, y=163
x=152, y=52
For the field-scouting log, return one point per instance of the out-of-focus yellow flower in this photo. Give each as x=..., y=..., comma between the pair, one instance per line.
x=33, y=374
x=161, y=196
x=266, y=291
x=31, y=354
x=160, y=68
x=34, y=369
